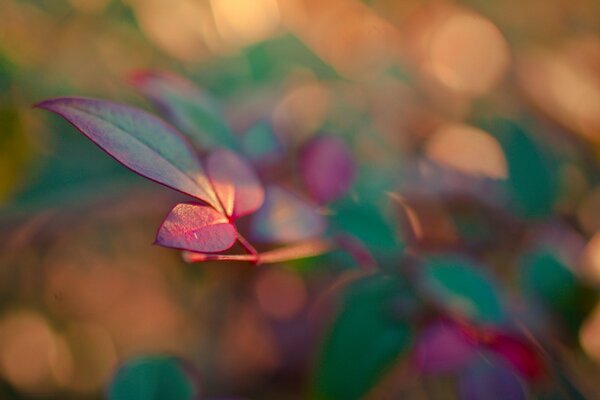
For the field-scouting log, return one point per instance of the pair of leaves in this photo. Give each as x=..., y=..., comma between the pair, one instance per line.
x=155, y=150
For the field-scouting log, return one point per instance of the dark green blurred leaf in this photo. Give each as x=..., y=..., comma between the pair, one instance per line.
x=547, y=281
x=365, y=222
x=363, y=342
x=460, y=286
x=533, y=177
x=152, y=378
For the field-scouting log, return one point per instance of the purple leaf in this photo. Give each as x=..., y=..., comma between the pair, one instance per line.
x=490, y=378
x=190, y=109
x=327, y=168
x=235, y=183
x=286, y=218
x=139, y=141
x=442, y=347
x=195, y=227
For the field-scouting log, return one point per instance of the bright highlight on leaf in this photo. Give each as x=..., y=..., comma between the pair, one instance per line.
x=327, y=168
x=139, y=141
x=190, y=109
x=235, y=183
x=194, y=227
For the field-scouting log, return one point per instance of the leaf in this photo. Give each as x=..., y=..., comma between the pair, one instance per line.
x=532, y=176
x=190, y=109
x=285, y=218
x=365, y=222
x=139, y=141
x=518, y=353
x=195, y=227
x=327, y=168
x=460, y=287
x=261, y=145
x=364, y=340
x=152, y=378
x=548, y=282
x=490, y=378
x=235, y=183
x=442, y=347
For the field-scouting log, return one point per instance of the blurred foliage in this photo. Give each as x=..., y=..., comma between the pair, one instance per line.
x=475, y=126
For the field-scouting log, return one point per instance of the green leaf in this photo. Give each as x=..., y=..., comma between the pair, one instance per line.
x=365, y=222
x=364, y=340
x=547, y=281
x=152, y=378
x=533, y=179
x=460, y=286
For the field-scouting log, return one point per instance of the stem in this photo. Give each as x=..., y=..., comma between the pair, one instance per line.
x=191, y=257
x=246, y=244
x=309, y=248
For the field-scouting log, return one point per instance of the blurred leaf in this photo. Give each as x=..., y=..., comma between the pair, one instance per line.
x=238, y=188
x=532, y=177
x=14, y=151
x=152, y=378
x=365, y=222
x=442, y=348
x=364, y=340
x=190, y=109
x=261, y=144
x=461, y=287
x=519, y=353
x=195, y=227
x=490, y=378
x=547, y=281
x=285, y=217
x=327, y=168
x=139, y=141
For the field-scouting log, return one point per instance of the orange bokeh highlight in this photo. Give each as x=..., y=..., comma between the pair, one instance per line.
x=467, y=149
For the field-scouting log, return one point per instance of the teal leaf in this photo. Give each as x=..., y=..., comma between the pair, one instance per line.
x=364, y=340
x=152, y=378
x=461, y=287
x=548, y=282
x=533, y=177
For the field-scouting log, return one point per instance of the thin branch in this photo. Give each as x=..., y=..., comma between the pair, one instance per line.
x=309, y=248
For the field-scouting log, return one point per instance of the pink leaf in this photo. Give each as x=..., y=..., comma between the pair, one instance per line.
x=286, y=218
x=442, y=347
x=235, y=183
x=327, y=168
x=139, y=141
x=195, y=227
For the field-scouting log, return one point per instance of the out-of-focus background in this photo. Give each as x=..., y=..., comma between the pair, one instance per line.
x=480, y=117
